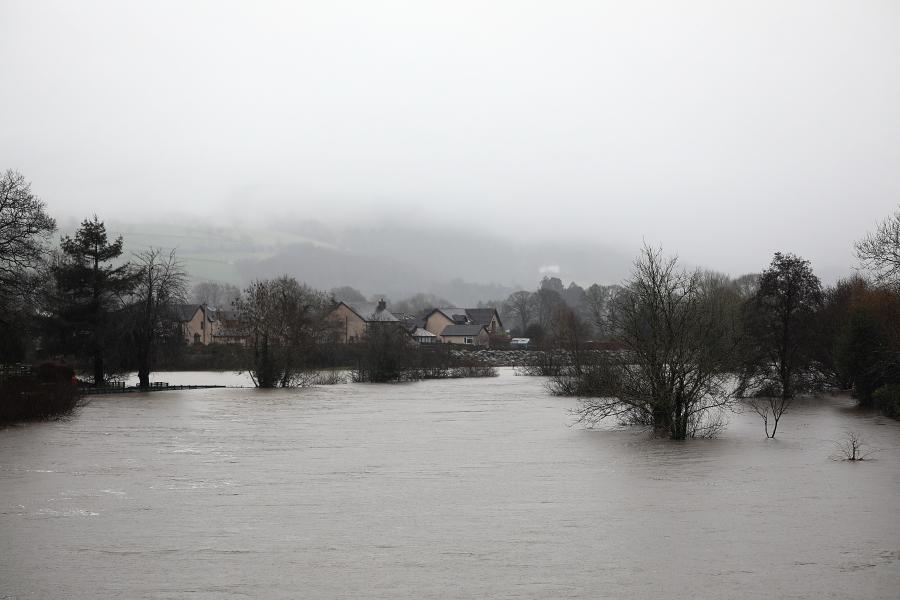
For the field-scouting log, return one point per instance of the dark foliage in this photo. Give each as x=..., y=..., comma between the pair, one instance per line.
x=47, y=392
x=88, y=297
x=780, y=339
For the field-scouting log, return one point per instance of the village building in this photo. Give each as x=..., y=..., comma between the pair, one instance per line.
x=229, y=329
x=473, y=326
x=353, y=320
x=198, y=323
x=473, y=334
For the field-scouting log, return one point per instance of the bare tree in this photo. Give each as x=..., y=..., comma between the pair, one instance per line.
x=598, y=299
x=679, y=345
x=283, y=320
x=521, y=306
x=879, y=252
x=419, y=304
x=345, y=293
x=215, y=294
x=160, y=283
x=852, y=447
x=25, y=230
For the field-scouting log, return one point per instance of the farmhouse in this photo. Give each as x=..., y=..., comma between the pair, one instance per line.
x=198, y=322
x=473, y=326
x=352, y=320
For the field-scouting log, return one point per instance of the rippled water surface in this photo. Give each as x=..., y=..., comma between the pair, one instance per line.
x=439, y=489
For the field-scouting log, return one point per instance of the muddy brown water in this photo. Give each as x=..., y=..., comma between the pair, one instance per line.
x=439, y=489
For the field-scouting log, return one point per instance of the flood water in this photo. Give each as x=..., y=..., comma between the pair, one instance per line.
x=439, y=489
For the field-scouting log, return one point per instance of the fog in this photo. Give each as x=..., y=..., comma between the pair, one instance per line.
x=723, y=131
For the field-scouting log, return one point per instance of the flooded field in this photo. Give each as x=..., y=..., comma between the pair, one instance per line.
x=439, y=489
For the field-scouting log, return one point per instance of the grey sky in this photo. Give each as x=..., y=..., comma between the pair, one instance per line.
x=722, y=130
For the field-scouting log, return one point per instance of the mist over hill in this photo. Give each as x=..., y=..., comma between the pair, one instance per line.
x=394, y=260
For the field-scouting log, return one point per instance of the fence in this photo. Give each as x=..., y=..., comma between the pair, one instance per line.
x=16, y=370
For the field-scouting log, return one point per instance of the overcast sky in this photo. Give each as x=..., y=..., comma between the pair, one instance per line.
x=722, y=130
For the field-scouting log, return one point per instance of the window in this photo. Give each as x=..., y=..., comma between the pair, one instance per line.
x=469, y=340
x=196, y=338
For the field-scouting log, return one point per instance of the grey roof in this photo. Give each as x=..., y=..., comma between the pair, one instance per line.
x=482, y=315
x=368, y=311
x=419, y=332
x=185, y=312
x=450, y=312
x=462, y=330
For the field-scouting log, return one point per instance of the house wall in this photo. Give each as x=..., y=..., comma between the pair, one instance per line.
x=350, y=327
x=436, y=322
x=482, y=339
x=198, y=325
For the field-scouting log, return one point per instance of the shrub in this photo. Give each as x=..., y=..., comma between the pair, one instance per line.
x=544, y=363
x=887, y=400
x=49, y=391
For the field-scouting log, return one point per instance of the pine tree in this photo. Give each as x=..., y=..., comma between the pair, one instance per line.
x=90, y=290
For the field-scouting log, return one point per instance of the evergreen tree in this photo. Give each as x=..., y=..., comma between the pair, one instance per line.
x=89, y=293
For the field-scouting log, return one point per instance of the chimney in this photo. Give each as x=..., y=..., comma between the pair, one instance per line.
x=381, y=305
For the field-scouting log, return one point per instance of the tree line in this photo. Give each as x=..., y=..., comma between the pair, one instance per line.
x=86, y=303
x=684, y=345
x=669, y=348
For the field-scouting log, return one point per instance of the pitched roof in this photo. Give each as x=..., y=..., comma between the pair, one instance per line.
x=455, y=330
x=185, y=312
x=482, y=315
x=419, y=333
x=451, y=312
x=368, y=311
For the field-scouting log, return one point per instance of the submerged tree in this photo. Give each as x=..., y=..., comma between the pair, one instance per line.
x=679, y=341
x=779, y=322
x=283, y=320
x=159, y=284
x=387, y=353
x=90, y=293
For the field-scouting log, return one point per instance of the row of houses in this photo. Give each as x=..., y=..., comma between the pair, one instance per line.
x=447, y=325
x=202, y=324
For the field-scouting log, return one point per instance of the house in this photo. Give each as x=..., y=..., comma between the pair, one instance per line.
x=439, y=319
x=229, y=328
x=353, y=320
x=198, y=322
x=473, y=334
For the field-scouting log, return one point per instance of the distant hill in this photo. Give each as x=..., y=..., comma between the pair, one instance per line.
x=394, y=261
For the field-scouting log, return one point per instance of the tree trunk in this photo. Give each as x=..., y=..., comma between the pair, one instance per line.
x=98, y=370
x=144, y=377
x=662, y=421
